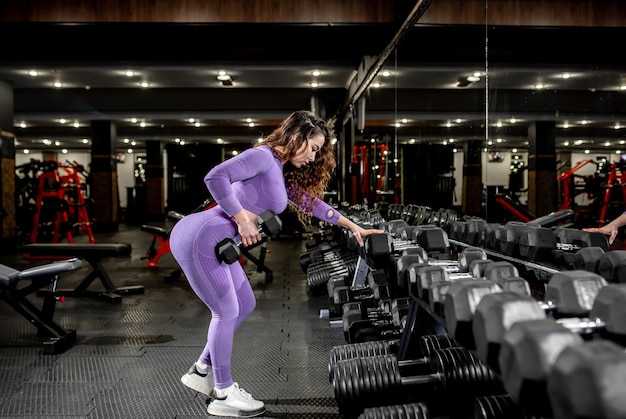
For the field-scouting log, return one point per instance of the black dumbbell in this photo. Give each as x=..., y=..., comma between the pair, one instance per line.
x=408, y=410
x=371, y=381
x=552, y=372
x=229, y=250
x=499, y=406
x=600, y=307
x=427, y=345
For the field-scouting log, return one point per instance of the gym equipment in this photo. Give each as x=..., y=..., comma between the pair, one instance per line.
x=461, y=299
x=380, y=247
x=60, y=202
x=612, y=266
x=229, y=251
x=58, y=339
x=409, y=410
x=384, y=321
x=161, y=236
x=587, y=259
x=427, y=345
x=383, y=380
x=319, y=273
x=499, y=406
x=551, y=371
x=421, y=276
x=583, y=382
x=570, y=293
x=93, y=254
x=341, y=292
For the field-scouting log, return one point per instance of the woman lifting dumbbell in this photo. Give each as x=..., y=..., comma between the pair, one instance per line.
x=291, y=166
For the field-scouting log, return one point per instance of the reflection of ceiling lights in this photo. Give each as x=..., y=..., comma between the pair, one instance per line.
x=467, y=80
x=225, y=78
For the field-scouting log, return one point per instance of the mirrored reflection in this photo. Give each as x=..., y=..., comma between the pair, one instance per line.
x=508, y=120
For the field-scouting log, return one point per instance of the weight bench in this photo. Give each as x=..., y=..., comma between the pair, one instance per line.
x=93, y=254
x=58, y=339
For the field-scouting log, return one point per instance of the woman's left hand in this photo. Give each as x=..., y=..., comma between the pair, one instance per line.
x=360, y=232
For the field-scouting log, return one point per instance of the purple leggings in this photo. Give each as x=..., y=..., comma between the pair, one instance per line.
x=225, y=289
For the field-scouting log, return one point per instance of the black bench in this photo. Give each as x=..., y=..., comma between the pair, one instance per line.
x=92, y=253
x=15, y=294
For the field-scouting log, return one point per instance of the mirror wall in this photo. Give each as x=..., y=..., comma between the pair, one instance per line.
x=532, y=110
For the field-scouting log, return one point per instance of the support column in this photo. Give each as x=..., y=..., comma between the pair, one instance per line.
x=154, y=181
x=348, y=174
x=104, y=182
x=8, y=230
x=471, y=202
x=542, y=182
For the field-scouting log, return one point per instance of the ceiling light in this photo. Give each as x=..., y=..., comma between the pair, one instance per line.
x=57, y=84
x=314, y=84
x=144, y=84
x=33, y=73
x=316, y=73
x=539, y=86
x=386, y=73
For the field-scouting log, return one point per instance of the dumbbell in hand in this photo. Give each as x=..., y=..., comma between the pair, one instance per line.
x=229, y=250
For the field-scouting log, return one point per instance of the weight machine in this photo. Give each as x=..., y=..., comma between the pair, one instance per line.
x=60, y=205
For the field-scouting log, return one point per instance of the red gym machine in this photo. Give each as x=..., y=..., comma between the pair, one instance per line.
x=60, y=202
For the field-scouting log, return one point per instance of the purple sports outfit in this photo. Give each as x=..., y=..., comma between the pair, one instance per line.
x=252, y=180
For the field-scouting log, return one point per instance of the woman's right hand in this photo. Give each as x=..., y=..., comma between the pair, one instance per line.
x=248, y=227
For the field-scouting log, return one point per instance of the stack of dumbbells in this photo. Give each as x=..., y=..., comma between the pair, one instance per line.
x=505, y=348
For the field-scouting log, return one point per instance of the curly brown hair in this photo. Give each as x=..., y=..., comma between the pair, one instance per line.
x=313, y=178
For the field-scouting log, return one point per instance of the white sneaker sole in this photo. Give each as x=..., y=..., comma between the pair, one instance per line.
x=232, y=412
x=195, y=385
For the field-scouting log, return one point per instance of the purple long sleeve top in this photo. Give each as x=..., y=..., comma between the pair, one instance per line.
x=254, y=180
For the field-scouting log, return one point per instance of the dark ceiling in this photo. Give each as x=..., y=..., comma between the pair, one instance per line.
x=271, y=67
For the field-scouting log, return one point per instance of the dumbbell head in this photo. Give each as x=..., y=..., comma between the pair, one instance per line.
x=574, y=292
x=227, y=251
x=536, y=243
x=528, y=352
x=587, y=258
x=612, y=266
x=587, y=381
x=378, y=249
x=468, y=255
x=494, y=316
x=270, y=222
x=610, y=306
x=461, y=300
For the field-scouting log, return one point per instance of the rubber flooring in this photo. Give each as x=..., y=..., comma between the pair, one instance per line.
x=129, y=355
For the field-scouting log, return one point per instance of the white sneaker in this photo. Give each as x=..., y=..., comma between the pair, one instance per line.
x=202, y=383
x=236, y=402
